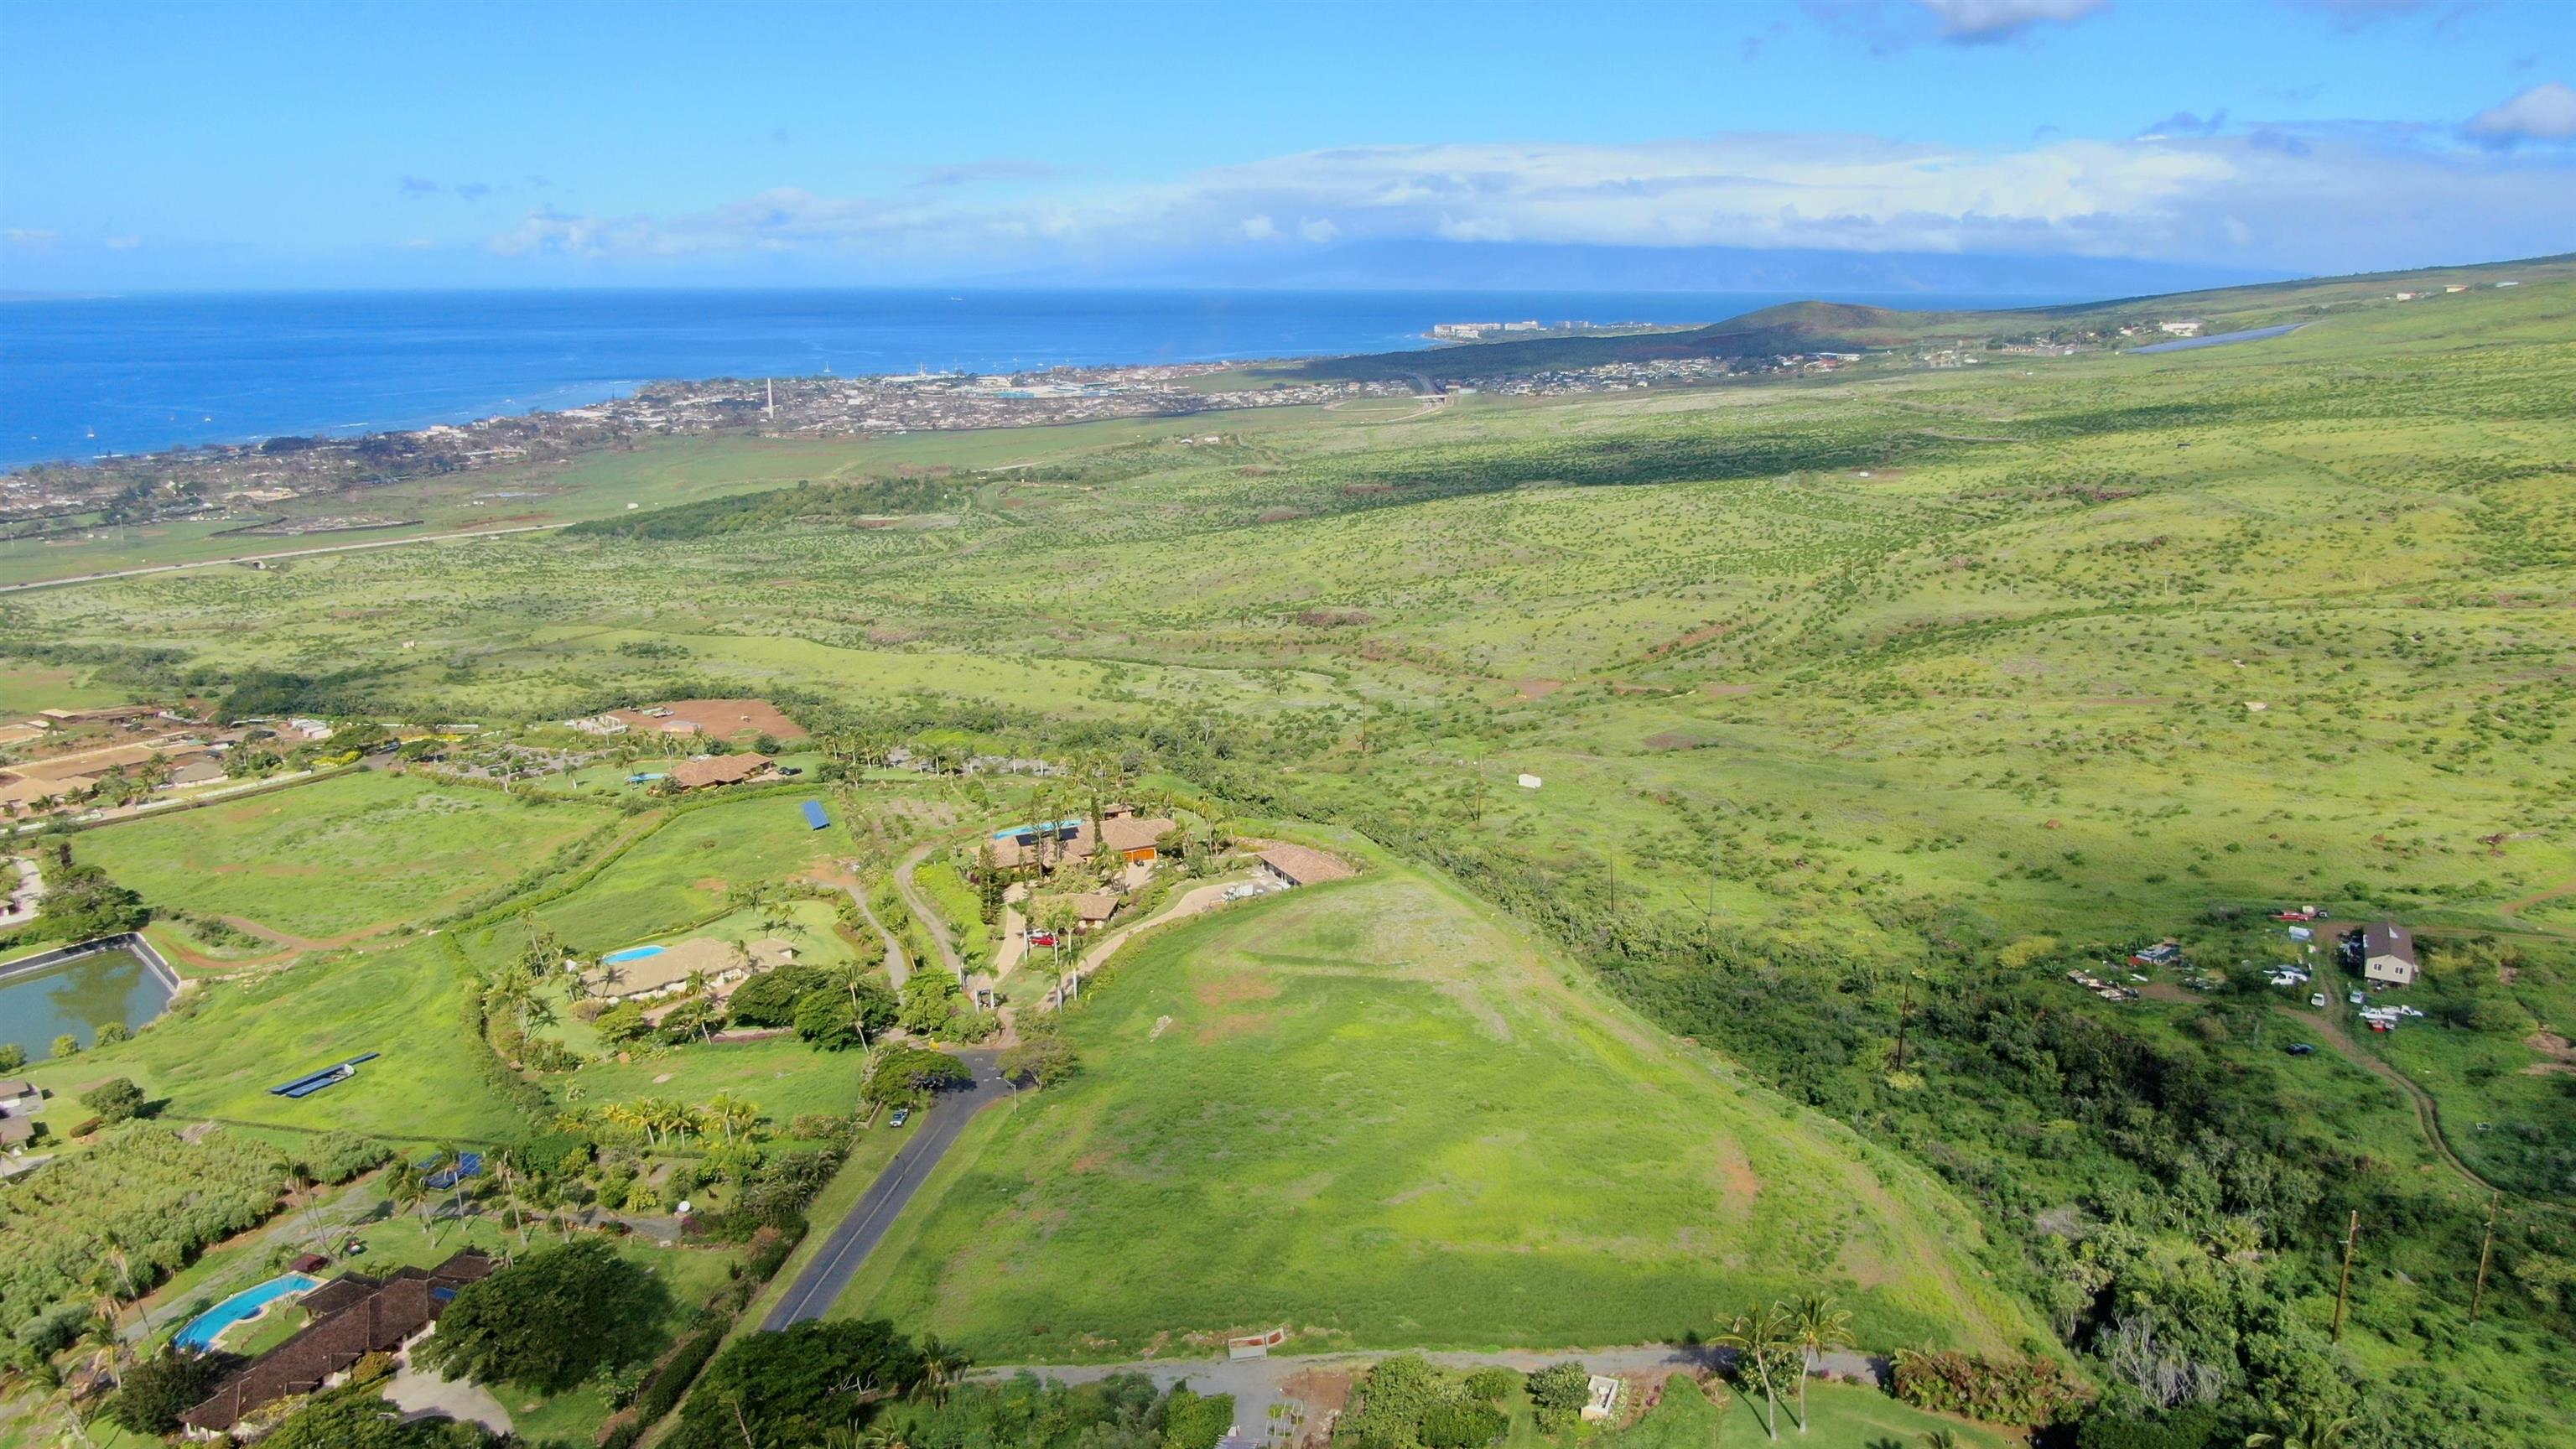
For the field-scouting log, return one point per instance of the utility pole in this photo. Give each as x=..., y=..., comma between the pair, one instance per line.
x=1904, y=1016
x=2486, y=1255
x=2344, y=1288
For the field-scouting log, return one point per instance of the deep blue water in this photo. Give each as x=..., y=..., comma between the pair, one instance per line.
x=135, y=374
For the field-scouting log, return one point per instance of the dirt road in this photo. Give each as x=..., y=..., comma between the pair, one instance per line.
x=242, y=558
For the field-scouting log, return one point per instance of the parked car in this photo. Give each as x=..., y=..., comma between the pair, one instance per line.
x=901, y=1116
x=2303, y=1049
x=1041, y=938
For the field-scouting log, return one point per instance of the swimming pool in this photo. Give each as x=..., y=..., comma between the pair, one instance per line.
x=632, y=953
x=206, y=1327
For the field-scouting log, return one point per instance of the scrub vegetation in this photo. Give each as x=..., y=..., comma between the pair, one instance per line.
x=1855, y=713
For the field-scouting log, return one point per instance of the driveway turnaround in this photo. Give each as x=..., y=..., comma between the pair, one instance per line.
x=854, y=1237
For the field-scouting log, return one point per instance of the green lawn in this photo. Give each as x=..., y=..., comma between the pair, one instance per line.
x=784, y=1076
x=680, y=873
x=1843, y=1416
x=340, y=857
x=218, y=1054
x=1371, y=1112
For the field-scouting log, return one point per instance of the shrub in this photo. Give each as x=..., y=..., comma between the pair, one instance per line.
x=1462, y=1426
x=2034, y=1390
x=115, y=1100
x=1558, y=1392
x=1491, y=1383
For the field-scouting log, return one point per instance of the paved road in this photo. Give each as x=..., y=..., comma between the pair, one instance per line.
x=283, y=553
x=855, y=1236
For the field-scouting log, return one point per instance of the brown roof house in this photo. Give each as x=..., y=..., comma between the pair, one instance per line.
x=1133, y=836
x=352, y=1317
x=1295, y=865
x=668, y=970
x=2388, y=954
x=712, y=770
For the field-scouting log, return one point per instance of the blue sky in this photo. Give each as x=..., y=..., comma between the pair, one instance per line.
x=224, y=145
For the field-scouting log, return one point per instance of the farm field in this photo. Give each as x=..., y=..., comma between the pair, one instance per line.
x=1390, y=1122
x=339, y=859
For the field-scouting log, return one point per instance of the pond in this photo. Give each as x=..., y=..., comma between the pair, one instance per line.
x=79, y=997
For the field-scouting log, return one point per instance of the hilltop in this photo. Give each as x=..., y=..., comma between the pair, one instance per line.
x=1829, y=327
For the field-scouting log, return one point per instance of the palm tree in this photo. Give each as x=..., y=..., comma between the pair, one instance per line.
x=731, y=1114
x=1815, y=1325
x=941, y=1367
x=1941, y=1439
x=1757, y=1335
x=2304, y=1431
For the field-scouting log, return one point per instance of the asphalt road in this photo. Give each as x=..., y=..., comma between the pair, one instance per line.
x=854, y=1237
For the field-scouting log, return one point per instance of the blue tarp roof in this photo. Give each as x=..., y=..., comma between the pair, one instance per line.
x=468, y=1164
x=814, y=815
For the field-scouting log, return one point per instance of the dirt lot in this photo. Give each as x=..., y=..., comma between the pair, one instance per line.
x=722, y=718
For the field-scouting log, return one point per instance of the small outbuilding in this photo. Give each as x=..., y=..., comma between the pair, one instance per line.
x=2388, y=954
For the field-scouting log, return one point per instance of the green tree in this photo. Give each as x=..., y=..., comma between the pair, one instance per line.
x=1815, y=1326
x=550, y=1320
x=795, y=1386
x=1558, y=1393
x=12, y=1056
x=1757, y=1335
x=152, y=1393
x=115, y=1100
x=1042, y=1057
x=907, y=1075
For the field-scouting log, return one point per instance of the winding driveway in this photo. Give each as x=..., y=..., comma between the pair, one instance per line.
x=931, y=923
x=823, y=1280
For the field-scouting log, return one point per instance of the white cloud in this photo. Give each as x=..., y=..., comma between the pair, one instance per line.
x=2543, y=113
x=1974, y=21
x=2325, y=199
x=122, y=243
x=29, y=239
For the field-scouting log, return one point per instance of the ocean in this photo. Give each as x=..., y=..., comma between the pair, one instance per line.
x=86, y=377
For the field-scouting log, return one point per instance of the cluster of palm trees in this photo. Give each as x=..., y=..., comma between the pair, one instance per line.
x=1783, y=1338
x=668, y=1120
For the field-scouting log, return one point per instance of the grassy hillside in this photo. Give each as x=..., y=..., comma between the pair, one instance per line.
x=1845, y=327
x=1863, y=709
x=1369, y=1112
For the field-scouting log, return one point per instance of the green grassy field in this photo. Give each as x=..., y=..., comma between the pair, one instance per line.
x=337, y=859
x=217, y=1055
x=679, y=875
x=1840, y=691
x=1384, y=1119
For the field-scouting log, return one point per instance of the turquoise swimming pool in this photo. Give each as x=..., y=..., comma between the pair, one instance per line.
x=632, y=953
x=206, y=1327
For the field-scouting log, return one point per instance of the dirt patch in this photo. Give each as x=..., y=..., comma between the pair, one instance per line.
x=1162, y=1024
x=1673, y=740
x=1240, y=986
x=722, y=718
x=1726, y=691
x=1093, y=1161
x=1234, y=1023
x=1324, y=1392
x=1705, y=634
x=1537, y=688
x=714, y=884
x=2560, y=1051
x=1735, y=1173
